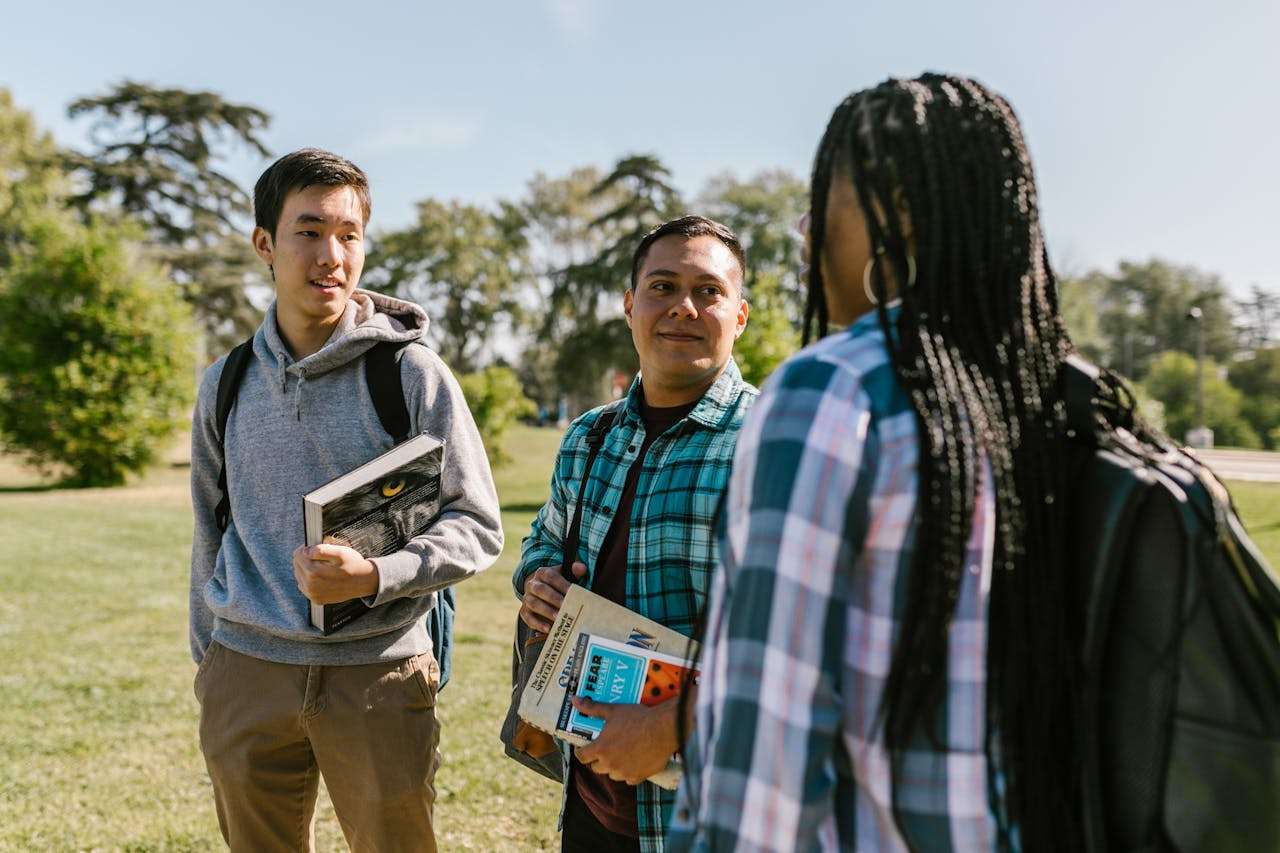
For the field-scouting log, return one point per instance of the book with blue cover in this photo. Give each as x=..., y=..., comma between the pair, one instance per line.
x=585, y=619
x=608, y=671
x=617, y=673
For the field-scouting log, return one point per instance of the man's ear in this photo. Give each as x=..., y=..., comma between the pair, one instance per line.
x=264, y=245
x=744, y=311
x=628, y=301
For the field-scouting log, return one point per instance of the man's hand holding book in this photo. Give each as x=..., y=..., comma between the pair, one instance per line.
x=544, y=593
x=330, y=573
x=637, y=741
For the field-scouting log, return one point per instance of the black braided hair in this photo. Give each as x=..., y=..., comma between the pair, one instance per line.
x=978, y=345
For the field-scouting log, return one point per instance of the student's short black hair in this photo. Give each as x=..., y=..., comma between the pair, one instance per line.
x=689, y=227
x=306, y=167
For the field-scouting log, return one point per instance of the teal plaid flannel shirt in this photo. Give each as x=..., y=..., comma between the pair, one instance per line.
x=672, y=549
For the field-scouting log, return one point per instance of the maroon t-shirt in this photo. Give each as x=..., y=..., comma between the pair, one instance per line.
x=611, y=802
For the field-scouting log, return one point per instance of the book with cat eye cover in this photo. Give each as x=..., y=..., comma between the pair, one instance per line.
x=584, y=613
x=375, y=509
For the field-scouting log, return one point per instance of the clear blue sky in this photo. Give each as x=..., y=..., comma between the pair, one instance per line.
x=1154, y=126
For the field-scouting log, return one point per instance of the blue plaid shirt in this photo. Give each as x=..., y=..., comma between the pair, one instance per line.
x=802, y=622
x=671, y=551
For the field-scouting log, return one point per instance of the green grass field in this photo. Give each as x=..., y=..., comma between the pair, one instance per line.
x=98, y=743
x=98, y=747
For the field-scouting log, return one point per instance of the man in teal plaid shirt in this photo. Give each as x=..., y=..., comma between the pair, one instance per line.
x=647, y=513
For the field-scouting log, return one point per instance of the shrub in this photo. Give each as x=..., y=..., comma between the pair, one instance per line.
x=496, y=402
x=769, y=337
x=1258, y=379
x=1172, y=380
x=95, y=354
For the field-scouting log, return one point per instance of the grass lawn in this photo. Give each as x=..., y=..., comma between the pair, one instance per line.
x=98, y=743
x=1259, y=508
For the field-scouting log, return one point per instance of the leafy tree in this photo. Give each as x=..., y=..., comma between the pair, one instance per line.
x=463, y=263
x=557, y=213
x=1143, y=312
x=95, y=353
x=764, y=212
x=496, y=403
x=1171, y=379
x=155, y=156
x=1258, y=317
x=647, y=199
x=770, y=336
x=1079, y=301
x=31, y=175
x=1258, y=380
x=582, y=231
x=1150, y=409
x=584, y=301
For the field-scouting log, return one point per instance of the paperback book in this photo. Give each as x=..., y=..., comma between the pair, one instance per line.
x=627, y=645
x=608, y=671
x=375, y=509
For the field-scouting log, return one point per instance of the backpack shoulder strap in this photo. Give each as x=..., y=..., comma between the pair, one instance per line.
x=228, y=386
x=603, y=423
x=229, y=383
x=595, y=438
x=1079, y=386
x=382, y=374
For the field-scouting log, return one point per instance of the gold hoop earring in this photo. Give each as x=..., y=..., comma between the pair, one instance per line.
x=866, y=280
x=866, y=276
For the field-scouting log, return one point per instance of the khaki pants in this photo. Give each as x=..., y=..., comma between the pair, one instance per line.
x=268, y=730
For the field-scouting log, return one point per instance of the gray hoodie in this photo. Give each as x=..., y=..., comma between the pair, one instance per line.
x=295, y=426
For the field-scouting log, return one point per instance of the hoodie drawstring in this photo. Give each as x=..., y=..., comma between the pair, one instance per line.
x=297, y=395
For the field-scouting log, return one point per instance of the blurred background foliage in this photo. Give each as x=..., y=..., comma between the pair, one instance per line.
x=124, y=263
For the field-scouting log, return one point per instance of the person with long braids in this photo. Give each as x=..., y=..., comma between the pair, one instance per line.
x=889, y=662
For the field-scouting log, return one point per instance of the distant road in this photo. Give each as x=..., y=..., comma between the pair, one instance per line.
x=1254, y=465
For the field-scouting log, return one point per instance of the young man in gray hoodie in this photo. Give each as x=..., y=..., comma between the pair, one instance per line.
x=280, y=703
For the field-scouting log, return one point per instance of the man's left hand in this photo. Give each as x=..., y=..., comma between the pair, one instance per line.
x=327, y=574
x=637, y=740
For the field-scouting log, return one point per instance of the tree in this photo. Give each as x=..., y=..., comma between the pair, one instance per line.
x=557, y=214
x=1079, y=301
x=582, y=231
x=770, y=336
x=584, y=303
x=763, y=212
x=155, y=157
x=496, y=402
x=463, y=263
x=1171, y=379
x=31, y=177
x=1258, y=315
x=1143, y=312
x=646, y=199
x=95, y=353
x=1258, y=380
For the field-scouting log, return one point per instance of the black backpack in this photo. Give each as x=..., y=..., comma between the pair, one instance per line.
x=382, y=374
x=1180, y=713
